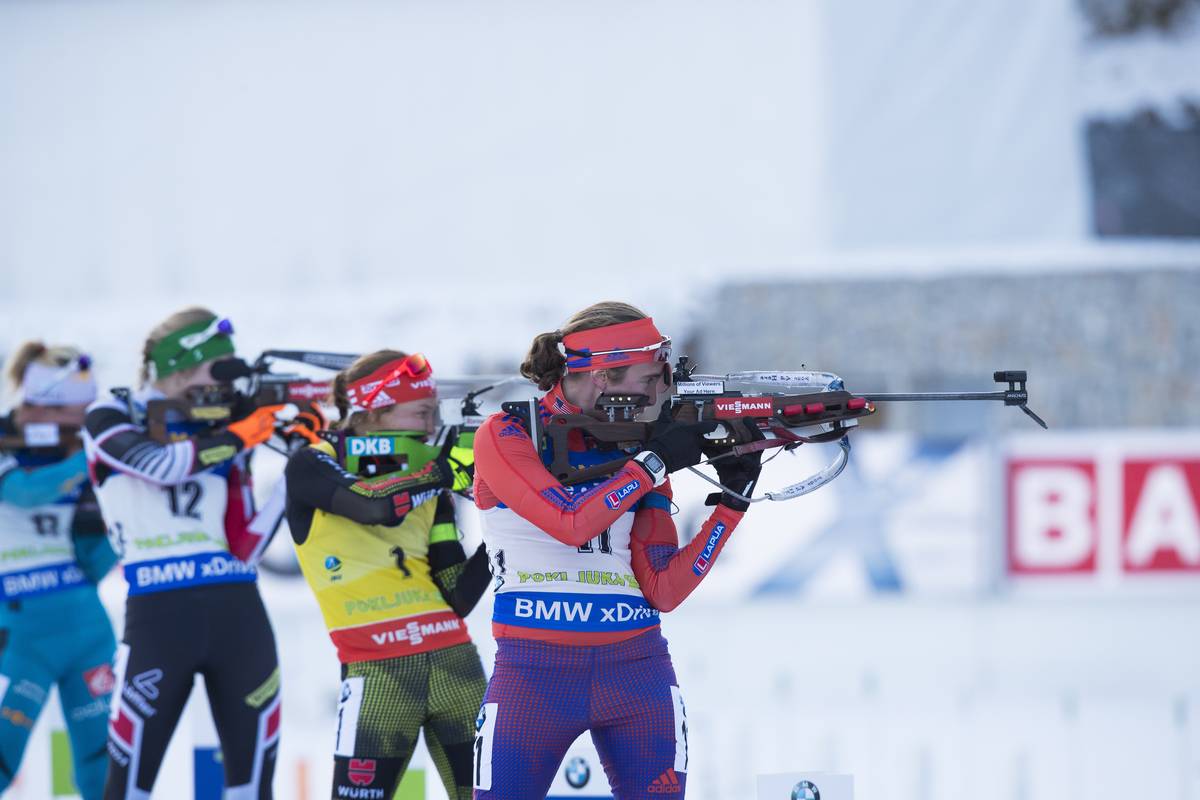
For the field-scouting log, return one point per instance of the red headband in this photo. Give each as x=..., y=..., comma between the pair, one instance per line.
x=399, y=381
x=636, y=342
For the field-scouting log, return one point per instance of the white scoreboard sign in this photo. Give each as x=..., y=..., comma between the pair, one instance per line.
x=1116, y=508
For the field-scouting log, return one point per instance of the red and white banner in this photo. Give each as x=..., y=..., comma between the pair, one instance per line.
x=1112, y=507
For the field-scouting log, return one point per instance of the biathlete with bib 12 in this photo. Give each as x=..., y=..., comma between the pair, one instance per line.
x=171, y=465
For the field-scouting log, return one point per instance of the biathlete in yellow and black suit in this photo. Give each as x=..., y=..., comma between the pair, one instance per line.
x=378, y=544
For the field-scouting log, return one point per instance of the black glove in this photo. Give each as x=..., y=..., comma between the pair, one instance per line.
x=677, y=444
x=739, y=473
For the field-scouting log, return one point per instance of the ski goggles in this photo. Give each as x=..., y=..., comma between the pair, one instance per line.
x=191, y=345
x=637, y=342
x=399, y=381
x=70, y=384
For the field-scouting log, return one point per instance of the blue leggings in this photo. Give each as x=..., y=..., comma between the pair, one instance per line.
x=63, y=638
x=543, y=696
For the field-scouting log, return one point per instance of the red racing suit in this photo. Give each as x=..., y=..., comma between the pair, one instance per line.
x=593, y=563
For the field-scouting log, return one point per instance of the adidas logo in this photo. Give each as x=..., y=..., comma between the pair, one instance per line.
x=667, y=783
x=512, y=430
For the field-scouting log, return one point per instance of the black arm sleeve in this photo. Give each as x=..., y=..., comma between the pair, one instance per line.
x=88, y=521
x=121, y=446
x=315, y=480
x=461, y=580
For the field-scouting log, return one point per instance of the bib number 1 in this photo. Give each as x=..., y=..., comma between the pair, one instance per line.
x=485, y=734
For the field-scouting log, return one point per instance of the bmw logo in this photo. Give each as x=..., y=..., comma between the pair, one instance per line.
x=577, y=772
x=805, y=790
x=333, y=563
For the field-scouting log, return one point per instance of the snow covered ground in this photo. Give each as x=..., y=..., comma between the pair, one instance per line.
x=1038, y=699
x=951, y=686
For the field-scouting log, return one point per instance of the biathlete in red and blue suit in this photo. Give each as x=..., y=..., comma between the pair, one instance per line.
x=583, y=572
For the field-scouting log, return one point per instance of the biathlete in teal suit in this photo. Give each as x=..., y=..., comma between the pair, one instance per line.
x=53, y=551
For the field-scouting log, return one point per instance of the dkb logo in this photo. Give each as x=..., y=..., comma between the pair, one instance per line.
x=805, y=790
x=370, y=446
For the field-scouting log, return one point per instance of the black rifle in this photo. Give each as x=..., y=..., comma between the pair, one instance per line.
x=789, y=409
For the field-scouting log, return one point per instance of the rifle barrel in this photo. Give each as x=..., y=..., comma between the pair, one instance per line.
x=900, y=397
x=1010, y=397
x=316, y=358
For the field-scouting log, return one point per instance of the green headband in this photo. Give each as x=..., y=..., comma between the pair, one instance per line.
x=191, y=345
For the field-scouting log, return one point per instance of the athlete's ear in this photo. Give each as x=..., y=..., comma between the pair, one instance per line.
x=600, y=379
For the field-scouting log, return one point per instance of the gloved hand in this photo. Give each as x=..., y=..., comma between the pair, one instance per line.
x=307, y=424
x=257, y=427
x=679, y=444
x=459, y=456
x=437, y=474
x=739, y=473
x=463, y=475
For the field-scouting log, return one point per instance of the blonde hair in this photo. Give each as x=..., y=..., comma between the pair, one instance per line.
x=38, y=351
x=180, y=319
x=361, y=368
x=545, y=364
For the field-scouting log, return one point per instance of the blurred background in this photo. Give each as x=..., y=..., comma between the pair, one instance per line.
x=909, y=193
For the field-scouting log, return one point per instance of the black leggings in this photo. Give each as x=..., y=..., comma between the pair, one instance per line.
x=221, y=632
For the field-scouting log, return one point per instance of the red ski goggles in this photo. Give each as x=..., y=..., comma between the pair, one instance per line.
x=399, y=381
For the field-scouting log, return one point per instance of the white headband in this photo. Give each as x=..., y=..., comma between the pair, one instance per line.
x=69, y=385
